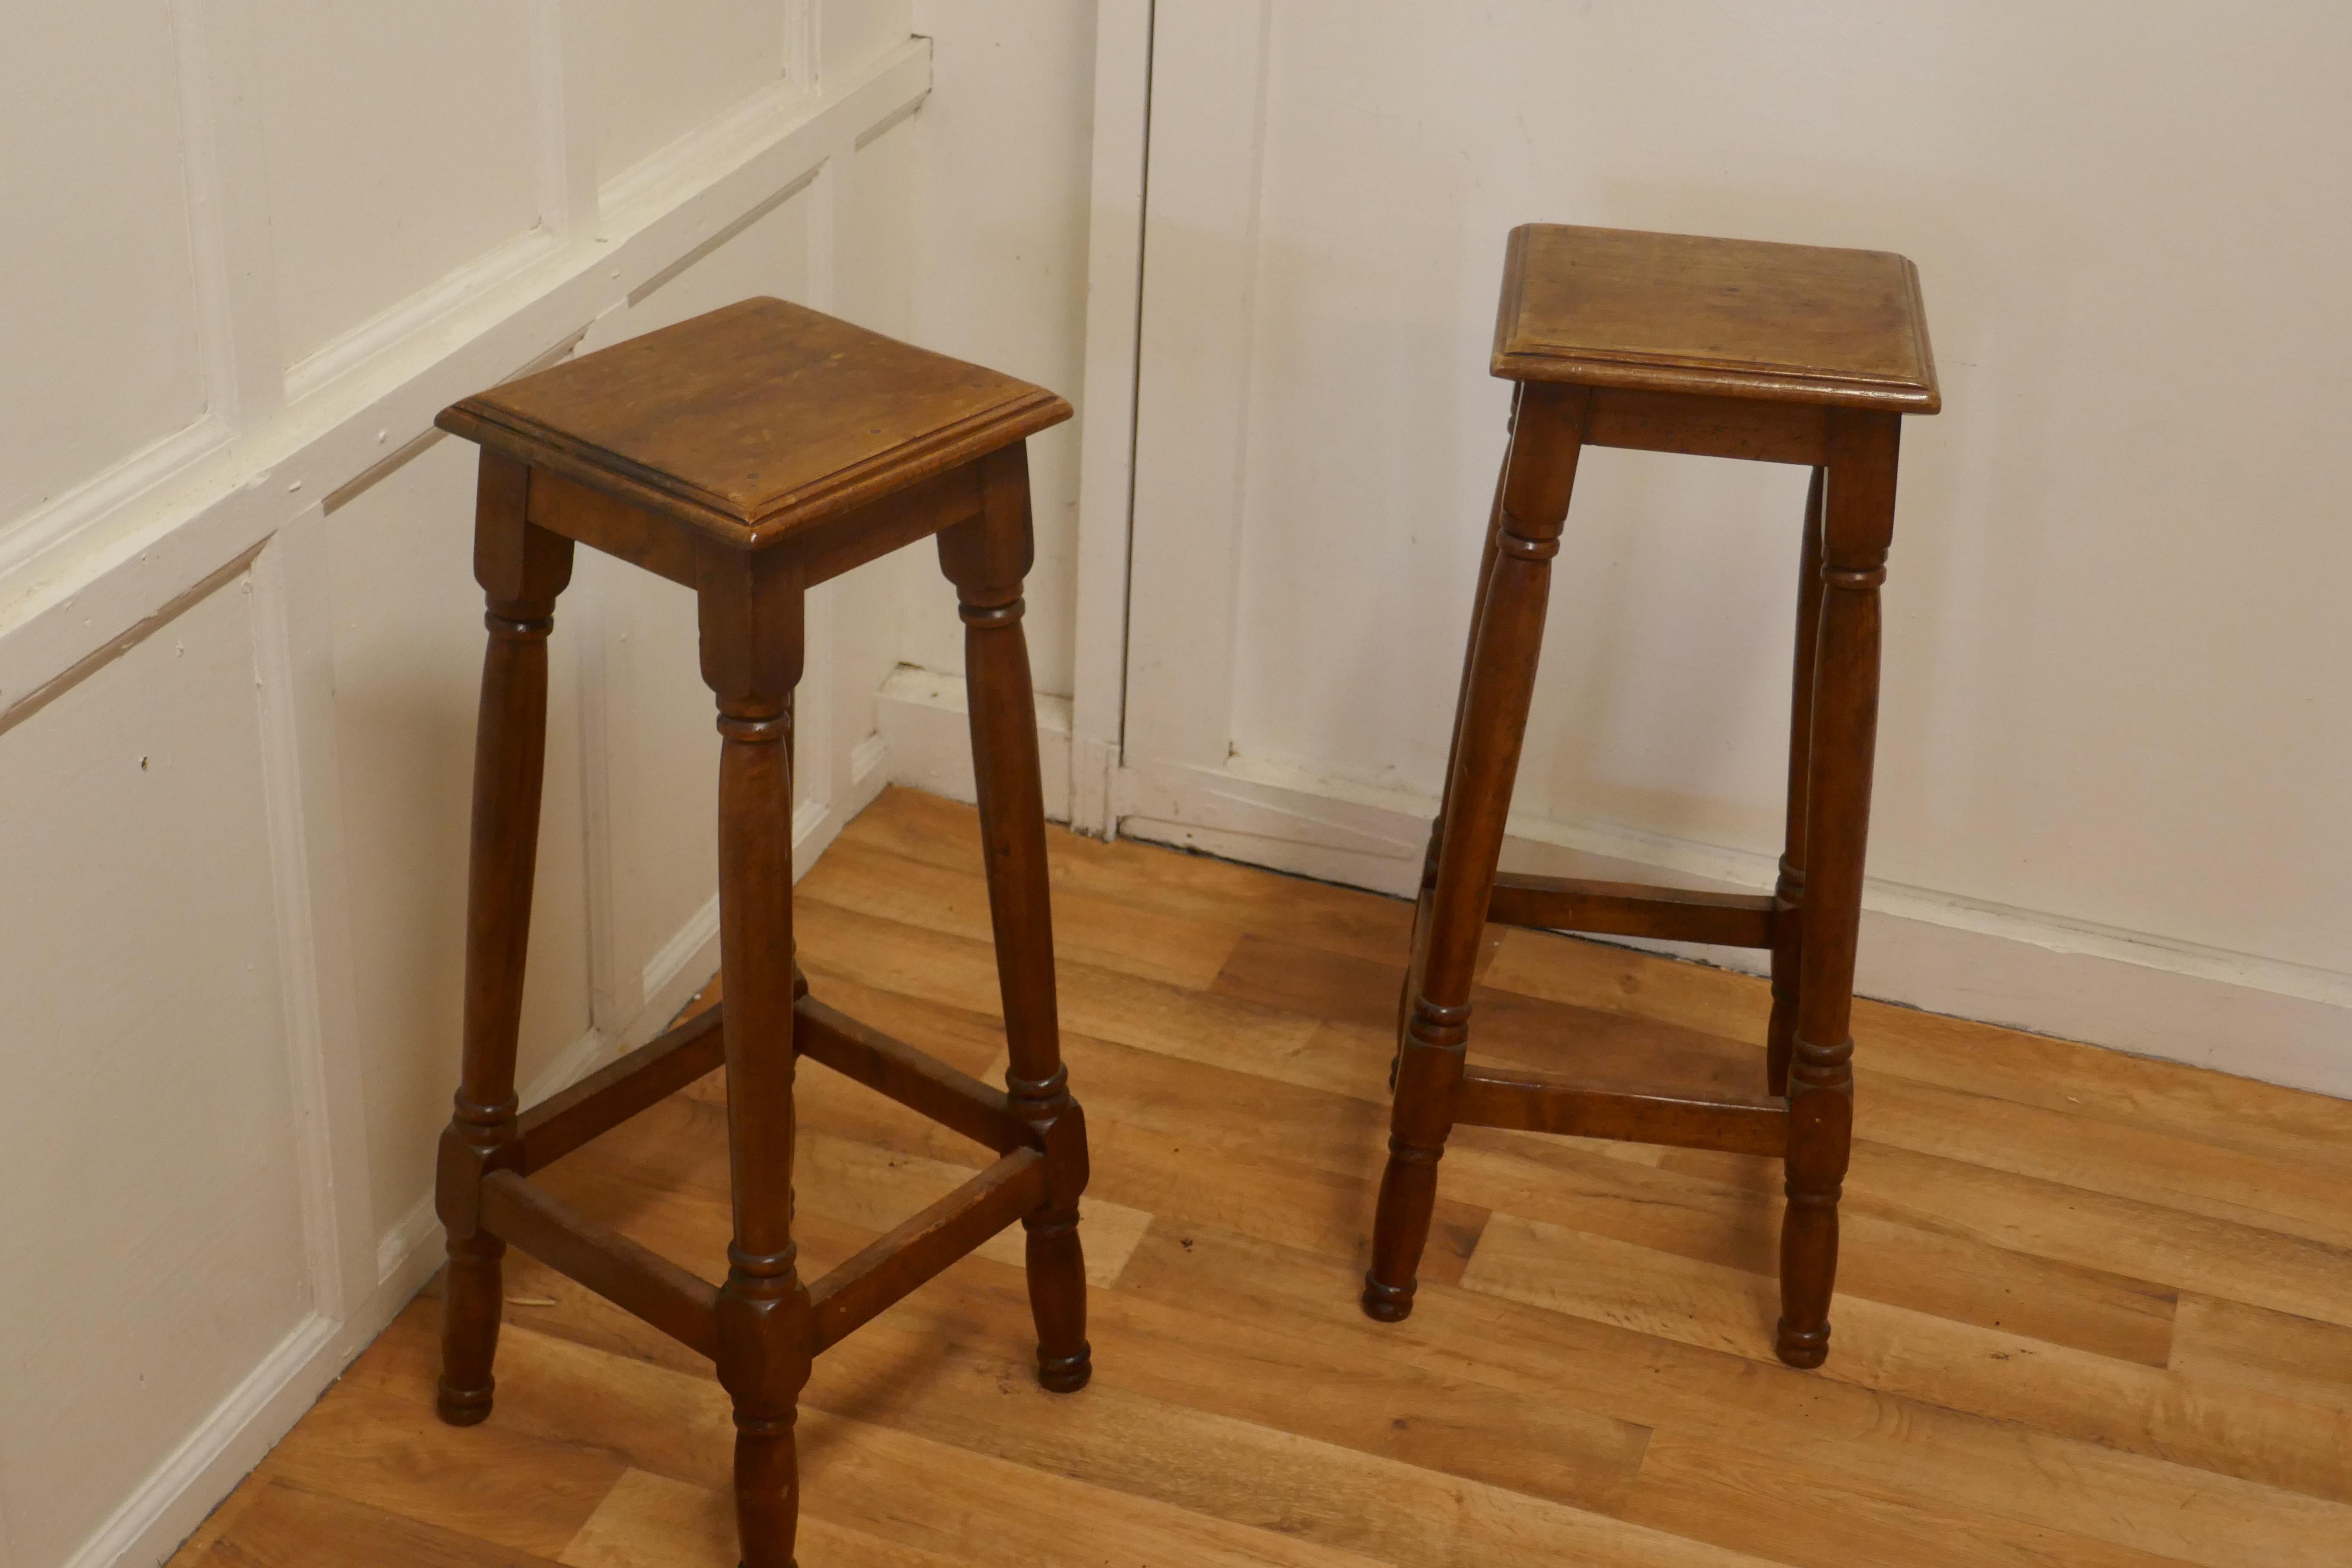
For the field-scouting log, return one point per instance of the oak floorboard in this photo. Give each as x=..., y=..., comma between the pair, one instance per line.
x=511, y=1488
x=859, y=1470
x=1212, y=894
x=2010, y=1376
x=2074, y=1146
x=1754, y=1501
x=651, y=1521
x=1087, y=928
x=1732, y=1216
x=2221, y=1342
x=2120, y=1235
x=1329, y=1112
x=289, y=1526
x=1942, y=1457
x=2094, y=1311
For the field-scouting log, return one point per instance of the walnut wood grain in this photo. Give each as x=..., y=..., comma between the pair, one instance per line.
x=521, y=568
x=1746, y=428
x=751, y=615
x=755, y=420
x=1789, y=890
x=629, y=1276
x=922, y=1084
x=605, y=1098
x=885, y=1272
x=1857, y=523
x=1729, y=318
x=1543, y=1102
x=987, y=558
x=1632, y=908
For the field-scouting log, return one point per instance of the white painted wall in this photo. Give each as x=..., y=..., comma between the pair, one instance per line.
x=1005, y=151
x=2115, y=753
x=251, y=247
x=148, y=1130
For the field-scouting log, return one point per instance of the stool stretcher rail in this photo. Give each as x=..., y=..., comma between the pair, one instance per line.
x=605, y=1098
x=921, y=1083
x=1540, y=1102
x=1633, y=909
x=632, y=1278
x=877, y=1277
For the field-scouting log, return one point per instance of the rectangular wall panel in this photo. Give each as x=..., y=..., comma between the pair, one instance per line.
x=149, y=1186
x=664, y=67
x=402, y=143
x=99, y=315
x=853, y=33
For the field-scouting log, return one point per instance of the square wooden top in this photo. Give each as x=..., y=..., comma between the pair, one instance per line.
x=755, y=419
x=1726, y=317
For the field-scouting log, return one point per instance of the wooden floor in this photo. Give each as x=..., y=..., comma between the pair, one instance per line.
x=2094, y=1310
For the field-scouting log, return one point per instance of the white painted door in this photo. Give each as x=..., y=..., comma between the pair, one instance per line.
x=1329, y=188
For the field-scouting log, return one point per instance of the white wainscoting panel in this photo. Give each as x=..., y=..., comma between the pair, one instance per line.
x=236, y=972
x=99, y=315
x=661, y=70
x=149, y=1182
x=402, y=144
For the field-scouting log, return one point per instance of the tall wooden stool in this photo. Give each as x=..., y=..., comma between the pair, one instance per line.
x=748, y=454
x=1780, y=354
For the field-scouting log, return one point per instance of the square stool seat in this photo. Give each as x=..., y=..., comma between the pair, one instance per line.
x=756, y=420
x=1730, y=317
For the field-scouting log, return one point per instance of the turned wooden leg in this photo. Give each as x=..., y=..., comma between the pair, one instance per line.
x=1547, y=438
x=750, y=623
x=986, y=559
x=522, y=569
x=1788, y=897
x=1419, y=951
x=1858, y=519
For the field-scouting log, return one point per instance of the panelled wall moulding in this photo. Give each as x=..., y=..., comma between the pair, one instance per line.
x=240, y=514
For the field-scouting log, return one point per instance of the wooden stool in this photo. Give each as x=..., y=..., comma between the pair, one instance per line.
x=748, y=454
x=1780, y=354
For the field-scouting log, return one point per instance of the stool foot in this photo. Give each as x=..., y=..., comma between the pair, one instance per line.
x=1408, y=1199
x=464, y=1406
x=767, y=1492
x=1803, y=1349
x=1387, y=1303
x=472, y=1297
x=1058, y=1299
x=1066, y=1374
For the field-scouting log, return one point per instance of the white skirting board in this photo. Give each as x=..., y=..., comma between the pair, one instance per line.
x=2251, y=1017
